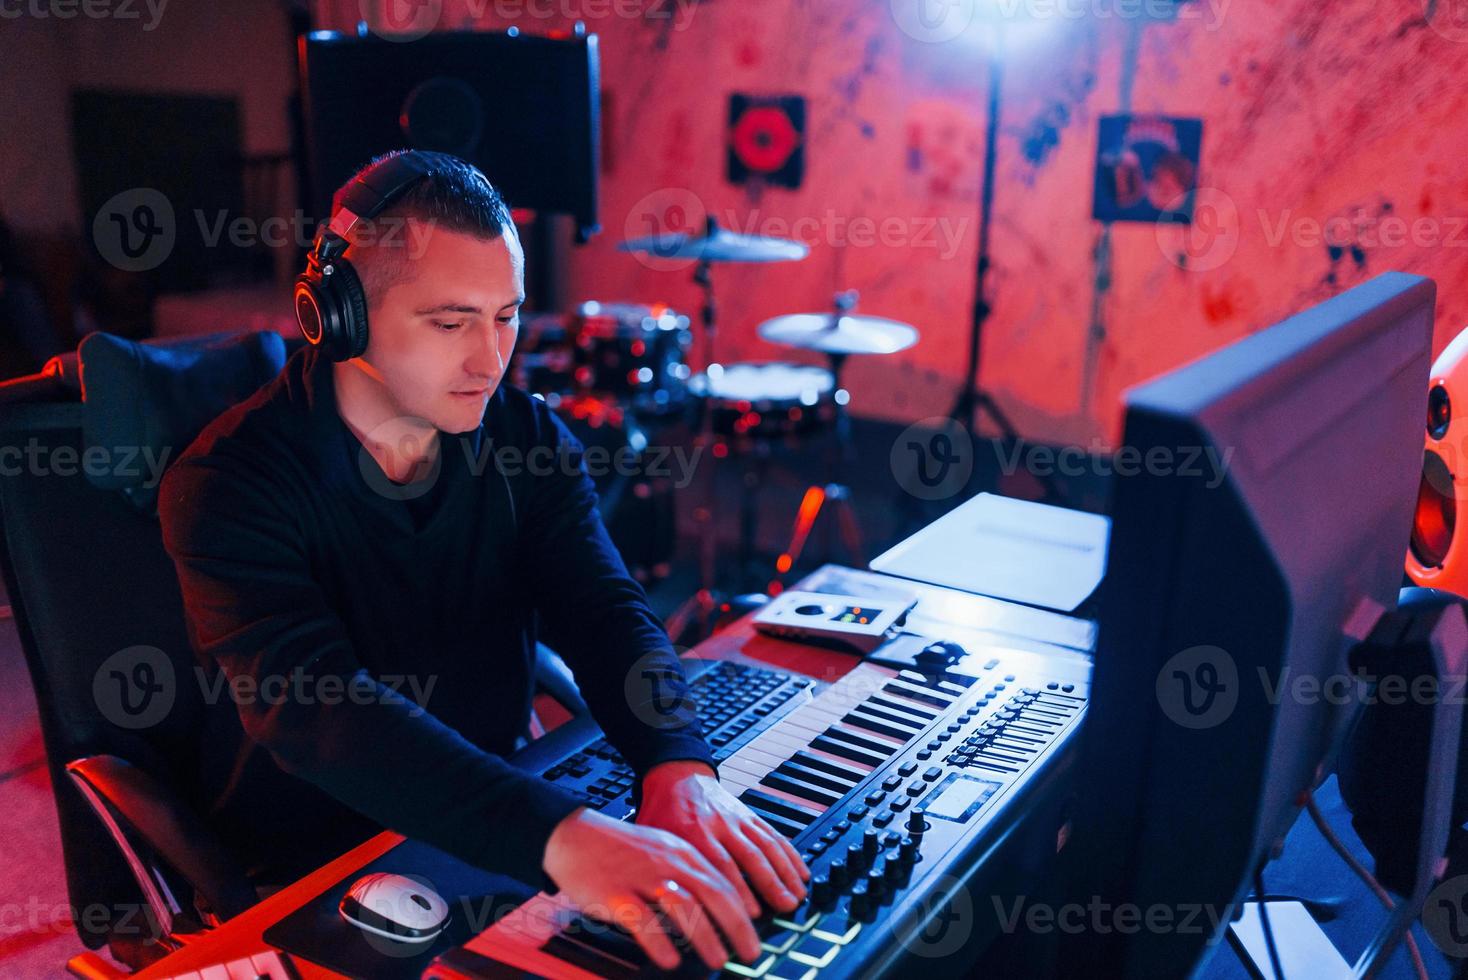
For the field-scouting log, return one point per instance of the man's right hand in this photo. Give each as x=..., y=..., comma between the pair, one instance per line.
x=626, y=874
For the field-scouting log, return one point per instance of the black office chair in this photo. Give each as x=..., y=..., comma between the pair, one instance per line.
x=88, y=579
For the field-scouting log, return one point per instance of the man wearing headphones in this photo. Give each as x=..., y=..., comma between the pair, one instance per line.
x=377, y=513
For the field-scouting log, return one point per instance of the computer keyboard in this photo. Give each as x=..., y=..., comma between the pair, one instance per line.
x=736, y=702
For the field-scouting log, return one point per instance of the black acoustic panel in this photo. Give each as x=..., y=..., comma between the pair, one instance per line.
x=525, y=110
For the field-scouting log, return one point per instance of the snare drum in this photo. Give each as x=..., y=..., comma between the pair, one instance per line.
x=766, y=400
x=636, y=354
x=543, y=362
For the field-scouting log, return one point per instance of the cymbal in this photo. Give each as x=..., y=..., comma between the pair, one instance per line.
x=849, y=333
x=718, y=245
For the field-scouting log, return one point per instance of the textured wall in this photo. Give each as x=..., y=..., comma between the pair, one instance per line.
x=1339, y=117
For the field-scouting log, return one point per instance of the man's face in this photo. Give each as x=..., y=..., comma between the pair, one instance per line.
x=440, y=338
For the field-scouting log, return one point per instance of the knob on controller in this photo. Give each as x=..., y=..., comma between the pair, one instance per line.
x=863, y=909
x=915, y=822
x=822, y=894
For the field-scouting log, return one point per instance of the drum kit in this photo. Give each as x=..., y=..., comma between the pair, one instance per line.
x=623, y=368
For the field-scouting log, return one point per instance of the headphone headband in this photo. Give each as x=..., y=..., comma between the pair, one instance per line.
x=331, y=307
x=376, y=188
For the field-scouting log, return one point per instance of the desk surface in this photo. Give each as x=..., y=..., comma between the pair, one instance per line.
x=941, y=612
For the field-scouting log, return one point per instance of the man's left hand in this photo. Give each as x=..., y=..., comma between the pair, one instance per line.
x=685, y=798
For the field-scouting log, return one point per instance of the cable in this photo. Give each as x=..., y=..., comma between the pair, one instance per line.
x=1340, y=848
x=1264, y=923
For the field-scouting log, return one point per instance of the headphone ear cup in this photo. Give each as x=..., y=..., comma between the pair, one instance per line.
x=344, y=313
x=353, y=339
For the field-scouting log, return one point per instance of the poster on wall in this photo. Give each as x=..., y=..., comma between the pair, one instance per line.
x=766, y=140
x=1147, y=168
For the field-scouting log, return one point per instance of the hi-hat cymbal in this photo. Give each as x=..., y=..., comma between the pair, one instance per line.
x=718, y=245
x=847, y=334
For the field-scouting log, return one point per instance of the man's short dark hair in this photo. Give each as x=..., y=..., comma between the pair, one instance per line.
x=455, y=197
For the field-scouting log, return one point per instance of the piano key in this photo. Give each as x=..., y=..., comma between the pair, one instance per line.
x=817, y=777
x=823, y=798
x=848, y=751
x=878, y=725
x=902, y=708
x=853, y=774
x=918, y=694
x=789, y=812
x=864, y=741
x=907, y=721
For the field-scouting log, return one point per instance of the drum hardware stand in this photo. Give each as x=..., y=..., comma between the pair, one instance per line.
x=702, y=607
x=973, y=401
x=833, y=492
x=715, y=245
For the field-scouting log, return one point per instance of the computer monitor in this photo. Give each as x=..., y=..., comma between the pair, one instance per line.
x=1260, y=514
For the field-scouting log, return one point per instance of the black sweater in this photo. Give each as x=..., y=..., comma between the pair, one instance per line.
x=330, y=602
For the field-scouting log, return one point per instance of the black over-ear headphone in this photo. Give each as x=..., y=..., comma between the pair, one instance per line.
x=331, y=306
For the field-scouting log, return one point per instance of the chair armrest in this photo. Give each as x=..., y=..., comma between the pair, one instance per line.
x=150, y=824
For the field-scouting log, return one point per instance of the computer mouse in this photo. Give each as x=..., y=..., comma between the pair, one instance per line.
x=396, y=907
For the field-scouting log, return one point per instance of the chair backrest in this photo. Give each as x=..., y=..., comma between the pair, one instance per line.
x=95, y=596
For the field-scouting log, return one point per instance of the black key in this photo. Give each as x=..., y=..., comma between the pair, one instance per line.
x=917, y=694
x=781, y=808
x=788, y=784
x=847, y=751
x=807, y=761
x=902, y=709
x=861, y=741
x=878, y=725
x=779, y=823
x=908, y=722
x=806, y=774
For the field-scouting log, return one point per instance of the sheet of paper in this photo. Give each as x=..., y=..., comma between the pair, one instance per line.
x=1011, y=549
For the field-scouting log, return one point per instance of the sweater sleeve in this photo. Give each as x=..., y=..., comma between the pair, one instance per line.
x=596, y=616
x=253, y=607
